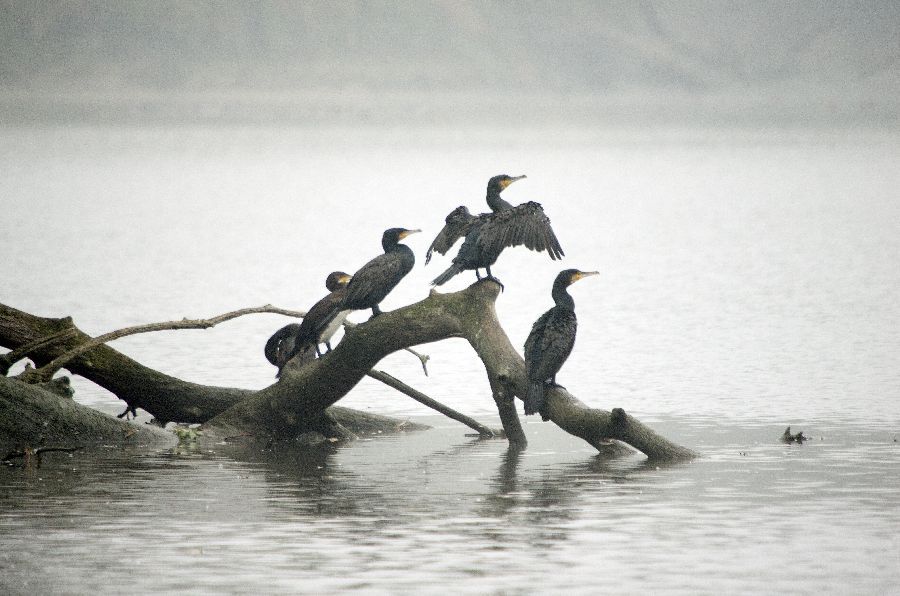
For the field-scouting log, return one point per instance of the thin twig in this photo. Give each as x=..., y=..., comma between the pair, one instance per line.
x=10, y=358
x=423, y=358
x=47, y=371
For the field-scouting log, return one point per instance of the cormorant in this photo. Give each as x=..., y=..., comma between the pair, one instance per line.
x=551, y=340
x=322, y=320
x=378, y=277
x=280, y=345
x=486, y=235
x=319, y=324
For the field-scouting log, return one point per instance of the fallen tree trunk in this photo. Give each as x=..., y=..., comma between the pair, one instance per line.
x=304, y=391
x=297, y=402
x=31, y=417
x=165, y=397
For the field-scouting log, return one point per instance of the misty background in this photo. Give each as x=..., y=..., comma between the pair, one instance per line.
x=442, y=62
x=730, y=167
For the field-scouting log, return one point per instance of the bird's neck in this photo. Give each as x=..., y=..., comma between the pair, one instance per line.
x=562, y=298
x=495, y=202
x=393, y=246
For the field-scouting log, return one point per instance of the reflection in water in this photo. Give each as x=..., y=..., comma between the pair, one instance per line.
x=399, y=513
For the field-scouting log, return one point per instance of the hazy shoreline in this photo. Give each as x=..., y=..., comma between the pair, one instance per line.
x=359, y=107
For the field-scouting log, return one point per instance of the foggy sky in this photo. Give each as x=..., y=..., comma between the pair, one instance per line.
x=835, y=53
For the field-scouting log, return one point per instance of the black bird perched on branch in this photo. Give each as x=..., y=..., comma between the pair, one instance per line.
x=280, y=345
x=551, y=340
x=378, y=277
x=319, y=324
x=322, y=320
x=486, y=235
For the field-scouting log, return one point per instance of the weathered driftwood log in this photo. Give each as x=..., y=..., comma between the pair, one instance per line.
x=470, y=314
x=165, y=397
x=46, y=372
x=298, y=400
x=32, y=417
x=389, y=380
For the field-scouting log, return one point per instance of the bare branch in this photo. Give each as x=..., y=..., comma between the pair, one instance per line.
x=423, y=358
x=46, y=372
x=10, y=358
x=304, y=392
x=158, y=394
x=420, y=397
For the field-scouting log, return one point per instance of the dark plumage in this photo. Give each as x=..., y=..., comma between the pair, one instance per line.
x=324, y=318
x=319, y=324
x=280, y=345
x=551, y=340
x=486, y=235
x=378, y=277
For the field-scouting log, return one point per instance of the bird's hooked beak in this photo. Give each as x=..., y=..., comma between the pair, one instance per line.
x=583, y=274
x=510, y=180
x=344, y=279
x=406, y=233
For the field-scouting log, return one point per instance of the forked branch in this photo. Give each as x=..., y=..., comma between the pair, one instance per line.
x=46, y=372
x=304, y=392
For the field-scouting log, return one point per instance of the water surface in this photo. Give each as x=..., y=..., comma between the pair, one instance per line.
x=748, y=282
x=434, y=511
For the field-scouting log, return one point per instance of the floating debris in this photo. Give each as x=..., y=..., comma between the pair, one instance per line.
x=186, y=434
x=787, y=437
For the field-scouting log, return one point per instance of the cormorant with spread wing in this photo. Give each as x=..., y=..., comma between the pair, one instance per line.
x=378, y=277
x=551, y=340
x=320, y=323
x=486, y=235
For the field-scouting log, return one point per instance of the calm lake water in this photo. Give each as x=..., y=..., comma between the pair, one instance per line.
x=748, y=281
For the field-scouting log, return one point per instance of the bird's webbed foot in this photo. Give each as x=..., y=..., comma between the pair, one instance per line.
x=491, y=277
x=129, y=413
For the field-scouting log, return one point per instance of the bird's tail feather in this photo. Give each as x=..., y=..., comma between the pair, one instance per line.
x=446, y=275
x=534, y=397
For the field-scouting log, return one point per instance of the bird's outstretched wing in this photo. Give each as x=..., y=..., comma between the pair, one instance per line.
x=456, y=226
x=523, y=224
